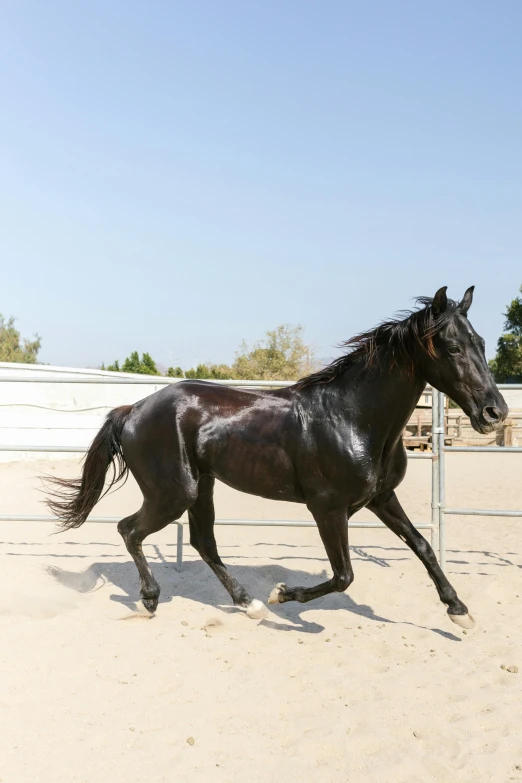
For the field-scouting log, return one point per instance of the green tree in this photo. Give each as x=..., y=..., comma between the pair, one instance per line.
x=148, y=365
x=175, y=372
x=507, y=364
x=211, y=372
x=15, y=349
x=281, y=355
x=144, y=366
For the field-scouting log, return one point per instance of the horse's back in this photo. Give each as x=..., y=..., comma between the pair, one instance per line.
x=245, y=438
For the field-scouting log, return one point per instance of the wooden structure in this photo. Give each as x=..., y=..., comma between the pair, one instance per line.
x=459, y=432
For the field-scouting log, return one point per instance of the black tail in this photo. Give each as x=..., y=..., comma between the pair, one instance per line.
x=73, y=499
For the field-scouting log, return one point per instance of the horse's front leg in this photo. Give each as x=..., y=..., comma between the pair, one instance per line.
x=390, y=511
x=333, y=528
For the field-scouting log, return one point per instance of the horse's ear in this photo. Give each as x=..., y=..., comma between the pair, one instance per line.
x=467, y=299
x=440, y=301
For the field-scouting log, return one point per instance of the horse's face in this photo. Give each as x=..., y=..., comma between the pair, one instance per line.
x=460, y=369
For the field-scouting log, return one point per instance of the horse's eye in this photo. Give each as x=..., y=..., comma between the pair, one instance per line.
x=454, y=350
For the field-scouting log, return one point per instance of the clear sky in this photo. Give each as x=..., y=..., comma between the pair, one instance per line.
x=176, y=176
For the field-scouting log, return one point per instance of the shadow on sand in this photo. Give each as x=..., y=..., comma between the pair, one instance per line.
x=197, y=583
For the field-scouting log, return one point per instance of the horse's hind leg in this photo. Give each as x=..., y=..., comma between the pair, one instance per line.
x=333, y=529
x=390, y=511
x=201, y=522
x=134, y=529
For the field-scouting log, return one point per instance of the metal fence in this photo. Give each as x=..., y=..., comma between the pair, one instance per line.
x=157, y=381
x=442, y=451
x=437, y=457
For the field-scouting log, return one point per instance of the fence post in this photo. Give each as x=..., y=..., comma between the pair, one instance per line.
x=441, y=497
x=507, y=433
x=179, y=547
x=434, y=470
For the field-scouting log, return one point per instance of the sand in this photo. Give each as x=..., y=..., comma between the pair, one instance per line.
x=373, y=685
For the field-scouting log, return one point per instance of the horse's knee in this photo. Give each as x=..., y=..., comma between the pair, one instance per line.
x=208, y=550
x=343, y=581
x=209, y=557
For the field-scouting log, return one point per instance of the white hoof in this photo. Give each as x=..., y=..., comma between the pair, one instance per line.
x=142, y=610
x=273, y=598
x=464, y=620
x=256, y=610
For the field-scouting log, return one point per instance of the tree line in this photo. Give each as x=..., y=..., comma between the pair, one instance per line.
x=282, y=354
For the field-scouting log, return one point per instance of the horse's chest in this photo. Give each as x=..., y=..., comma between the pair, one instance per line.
x=367, y=468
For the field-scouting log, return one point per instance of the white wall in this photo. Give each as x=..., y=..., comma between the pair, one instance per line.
x=60, y=414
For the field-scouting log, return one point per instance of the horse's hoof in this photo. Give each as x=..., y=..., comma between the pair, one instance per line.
x=256, y=610
x=277, y=592
x=463, y=620
x=147, y=606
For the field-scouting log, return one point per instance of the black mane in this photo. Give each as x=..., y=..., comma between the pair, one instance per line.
x=399, y=335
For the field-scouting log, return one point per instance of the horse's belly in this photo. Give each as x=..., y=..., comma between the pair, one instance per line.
x=271, y=491
x=264, y=471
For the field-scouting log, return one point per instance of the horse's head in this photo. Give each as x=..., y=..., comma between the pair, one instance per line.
x=457, y=364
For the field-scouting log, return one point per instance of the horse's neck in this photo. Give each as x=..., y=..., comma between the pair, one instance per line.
x=382, y=394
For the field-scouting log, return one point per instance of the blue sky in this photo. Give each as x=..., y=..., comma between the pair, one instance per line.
x=178, y=176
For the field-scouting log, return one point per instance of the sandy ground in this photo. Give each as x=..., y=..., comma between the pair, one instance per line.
x=373, y=685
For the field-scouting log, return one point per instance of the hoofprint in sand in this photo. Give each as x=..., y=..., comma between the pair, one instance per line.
x=375, y=684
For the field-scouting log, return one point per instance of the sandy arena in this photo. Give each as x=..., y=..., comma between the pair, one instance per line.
x=373, y=685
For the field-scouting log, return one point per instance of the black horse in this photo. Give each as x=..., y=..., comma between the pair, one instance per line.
x=333, y=441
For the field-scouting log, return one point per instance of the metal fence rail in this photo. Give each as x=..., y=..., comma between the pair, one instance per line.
x=436, y=516
x=146, y=380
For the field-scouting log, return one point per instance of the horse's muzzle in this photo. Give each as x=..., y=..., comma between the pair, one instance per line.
x=489, y=419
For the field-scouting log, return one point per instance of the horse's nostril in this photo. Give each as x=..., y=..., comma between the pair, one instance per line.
x=491, y=413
